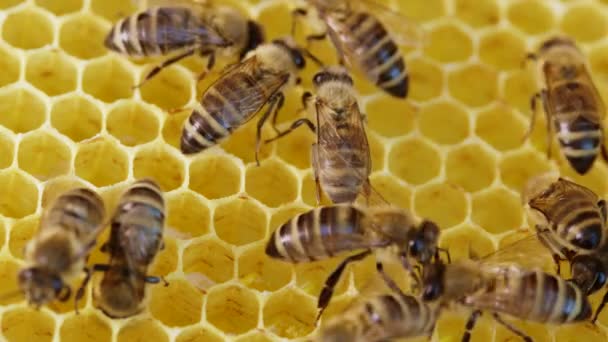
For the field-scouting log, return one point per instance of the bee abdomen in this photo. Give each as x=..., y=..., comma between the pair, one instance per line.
x=78, y=208
x=403, y=316
x=317, y=234
x=580, y=143
x=144, y=193
x=220, y=112
x=380, y=56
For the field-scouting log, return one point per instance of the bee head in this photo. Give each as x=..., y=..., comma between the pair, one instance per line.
x=41, y=287
x=290, y=46
x=334, y=73
x=433, y=280
x=424, y=244
x=588, y=273
x=554, y=42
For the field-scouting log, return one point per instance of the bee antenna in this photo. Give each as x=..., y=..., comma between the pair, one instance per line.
x=312, y=57
x=11, y=294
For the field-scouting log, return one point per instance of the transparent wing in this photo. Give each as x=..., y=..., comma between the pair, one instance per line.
x=144, y=4
x=523, y=249
x=402, y=29
x=357, y=140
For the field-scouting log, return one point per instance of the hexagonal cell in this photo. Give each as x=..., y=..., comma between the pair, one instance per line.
x=43, y=155
x=257, y=271
x=133, y=123
x=82, y=36
x=21, y=233
x=470, y=166
x=101, y=162
x=198, y=334
x=241, y=142
x=270, y=13
x=13, y=103
x=19, y=197
x=448, y=42
x=476, y=241
x=481, y=84
x=311, y=276
x=60, y=7
x=113, y=9
x=57, y=186
x=7, y=150
x=451, y=326
x=178, y=304
x=569, y=333
x=478, y=13
x=414, y=160
x=232, y=309
x=207, y=263
x=426, y=79
x=161, y=164
x=517, y=168
x=385, y=111
x=215, y=176
x=289, y=314
x=393, y=190
x=85, y=327
x=422, y=11
x=584, y=23
x=517, y=89
x=16, y=32
x=169, y=89
x=240, y=221
x=9, y=269
x=295, y=148
x=443, y=203
x=172, y=127
x=272, y=183
x=504, y=49
x=76, y=117
x=532, y=17
x=108, y=79
x=376, y=151
x=444, y=122
x=51, y=71
x=27, y=324
x=187, y=214
x=497, y=211
x=166, y=261
x=500, y=127
x=9, y=3
x=10, y=65
x=142, y=330
x=255, y=336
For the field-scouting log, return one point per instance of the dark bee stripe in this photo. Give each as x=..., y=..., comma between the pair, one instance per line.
x=125, y=33
x=227, y=110
x=287, y=240
x=355, y=21
x=305, y=225
x=137, y=192
x=550, y=292
x=144, y=26
x=393, y=308
x=327, y=225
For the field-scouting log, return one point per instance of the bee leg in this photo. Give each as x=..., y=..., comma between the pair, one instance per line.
x=80, y=292
x=533, y=101
x=280, y=103
x=388, y=280
x=466, y=337
x=273, y=101
x=408, y=267
x=545, y=100
x=444, y=251
x=315, y=170
x=544, y=235
x=332, y=280
x=64, y=294
x=512, y=328
x=210, y=63
x=293, y=126
x=600, y=308
x=163, y=65
x=298, y=12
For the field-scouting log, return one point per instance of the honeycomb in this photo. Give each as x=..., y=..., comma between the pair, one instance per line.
x=453, y=152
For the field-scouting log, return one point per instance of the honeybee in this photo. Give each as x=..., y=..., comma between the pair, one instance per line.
x=571, y=223
x=530, y=295
x=135, y=239
x=241, y=92
x=183, y=28
x=358, y=30
x=341, y=160
x=327, y=231
x=382, y=317
x=58, y=251
x=572, y=104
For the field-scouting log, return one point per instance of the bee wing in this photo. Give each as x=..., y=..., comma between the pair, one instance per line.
x=559, y=190
x=402, y=29
x=328, y=133
x=144, y=4
x=528, y=252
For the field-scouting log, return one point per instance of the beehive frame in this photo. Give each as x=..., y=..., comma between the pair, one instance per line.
x=68, y=116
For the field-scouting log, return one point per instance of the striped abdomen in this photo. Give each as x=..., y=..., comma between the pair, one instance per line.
x=343, y=167
x=577, y=125
x=226, y=105
x=79, y=210
x=574, y=218
x=366, y=43
x=159, y=31
x=383, y=317
x=538, y=296
x=319, y=234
